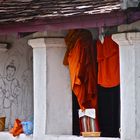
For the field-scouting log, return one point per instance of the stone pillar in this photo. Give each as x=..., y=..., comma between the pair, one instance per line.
x=39, y=78
x=59, y=94
x=52, y=91
x=129, y=44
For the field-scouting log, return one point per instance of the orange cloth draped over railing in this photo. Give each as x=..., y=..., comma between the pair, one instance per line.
x=81, y=60
x=108, y=63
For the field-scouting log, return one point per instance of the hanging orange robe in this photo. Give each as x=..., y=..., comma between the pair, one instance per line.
x=108, y=63
x=81, y=61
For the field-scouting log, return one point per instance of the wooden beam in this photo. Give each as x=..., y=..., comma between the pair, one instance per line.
x=88, y=21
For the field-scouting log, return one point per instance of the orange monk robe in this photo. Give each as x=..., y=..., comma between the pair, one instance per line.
x=70, y=40
x=81, y=61
x=108, y=63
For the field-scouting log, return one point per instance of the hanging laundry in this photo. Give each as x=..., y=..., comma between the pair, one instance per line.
x=108, y=62
x=82, y=65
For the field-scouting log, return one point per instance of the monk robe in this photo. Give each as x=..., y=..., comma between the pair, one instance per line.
x=108, y=63
x=81, y=61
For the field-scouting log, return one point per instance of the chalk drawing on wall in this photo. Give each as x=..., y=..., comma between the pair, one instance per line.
x=10, y=90
x=27, y=87
x=27, y=97
x=16, y=60
x=29, y=59
x=16, y=85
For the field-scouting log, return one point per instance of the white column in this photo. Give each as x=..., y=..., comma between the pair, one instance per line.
x=39, y=78
x=130, y=84
x=59, y=94
x=52, y=91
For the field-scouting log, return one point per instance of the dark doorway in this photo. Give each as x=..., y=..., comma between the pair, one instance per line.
x=75, y=123
x=109, y=111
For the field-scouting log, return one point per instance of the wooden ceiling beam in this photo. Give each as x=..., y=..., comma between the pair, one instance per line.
x=110, y=19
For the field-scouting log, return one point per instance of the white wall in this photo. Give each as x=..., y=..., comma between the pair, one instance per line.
x=137, y=98
x=16, y=92
x=59, y=94
x=52, y=90
x=129, y=44
x=133, y=48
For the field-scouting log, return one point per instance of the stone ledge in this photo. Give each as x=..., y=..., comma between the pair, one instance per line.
x=8, y=136
x=72, y=137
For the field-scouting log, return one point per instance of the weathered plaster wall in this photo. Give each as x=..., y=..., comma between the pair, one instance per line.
x=59, y=94
x=129, y=44
x=132, y=50
x=16, y=88
x=137, y=98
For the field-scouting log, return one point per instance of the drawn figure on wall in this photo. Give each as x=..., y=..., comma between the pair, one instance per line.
x=27, y=99
x=1, y=102
x=10, y=88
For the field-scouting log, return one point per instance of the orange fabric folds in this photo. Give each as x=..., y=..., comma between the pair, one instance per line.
x=108, y=63
x=17, y=128
x=81, y=61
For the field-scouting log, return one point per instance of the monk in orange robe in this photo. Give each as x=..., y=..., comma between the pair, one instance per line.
x=81, y=60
